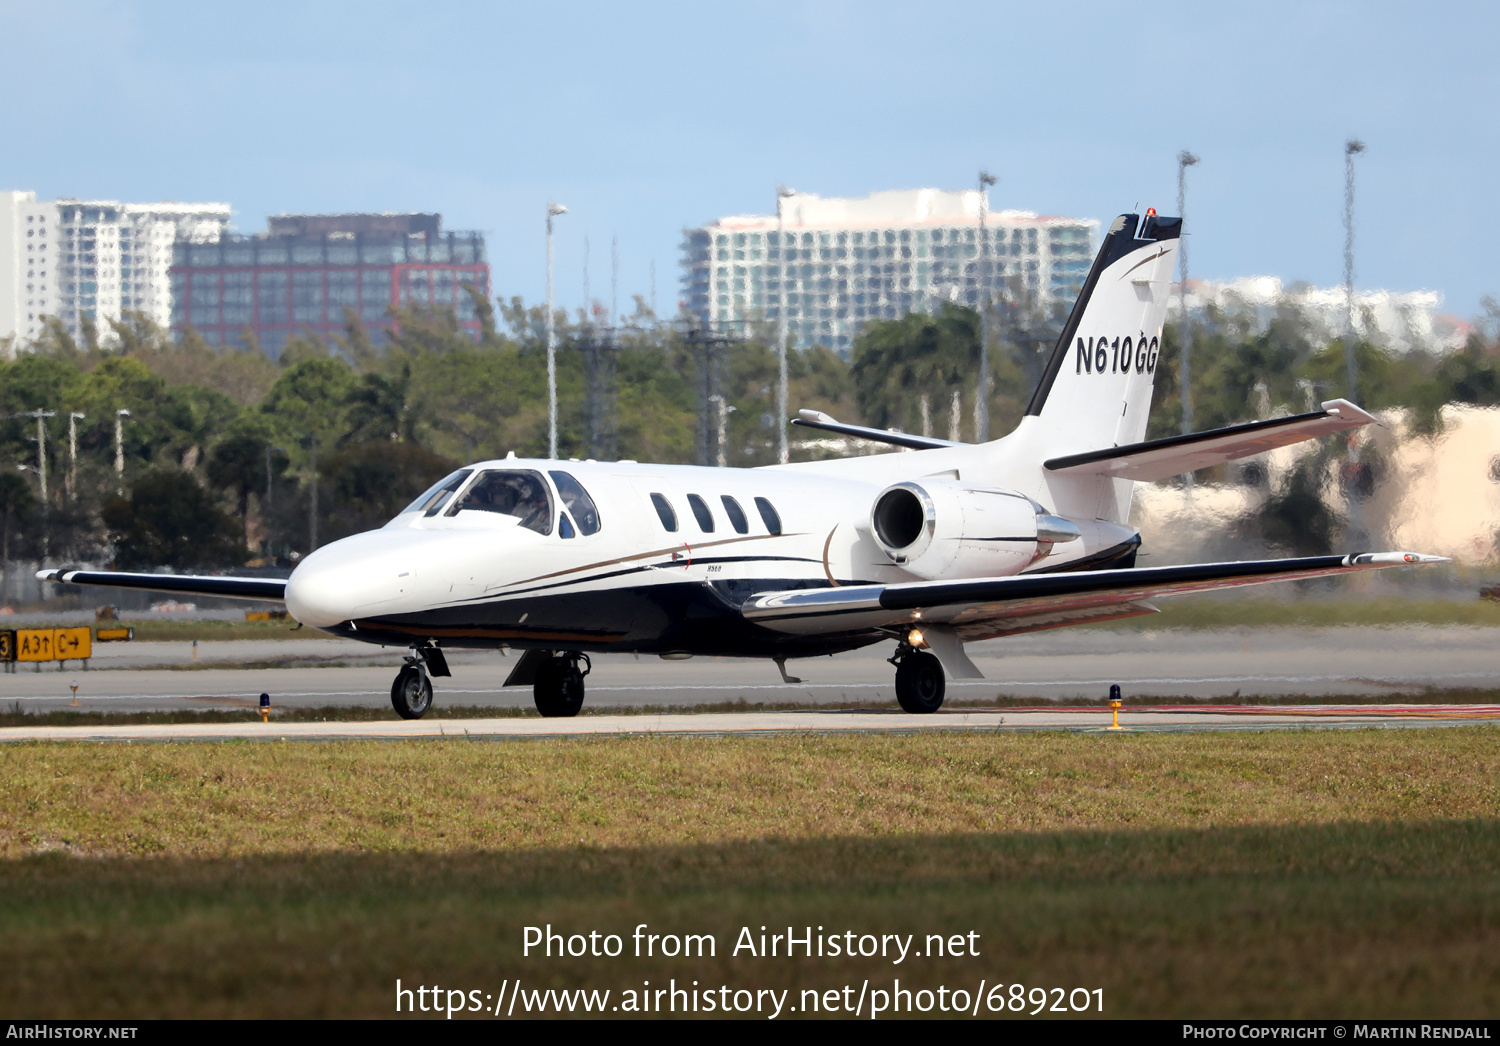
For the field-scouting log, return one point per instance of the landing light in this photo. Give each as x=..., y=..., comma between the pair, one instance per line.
x=914, y=638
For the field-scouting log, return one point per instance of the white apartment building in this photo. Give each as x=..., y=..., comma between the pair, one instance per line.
x=846, y=261
x=1402, y=321
x=74, y=258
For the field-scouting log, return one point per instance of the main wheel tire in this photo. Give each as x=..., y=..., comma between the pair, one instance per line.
x=920, y=683
x=558, y=689
x=411, y=693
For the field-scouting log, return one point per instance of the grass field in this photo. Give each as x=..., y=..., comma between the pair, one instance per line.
x=1280, y=874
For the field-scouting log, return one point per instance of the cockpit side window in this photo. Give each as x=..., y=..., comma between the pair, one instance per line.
x=577, y=501
x=520, y=493
x=437, y=495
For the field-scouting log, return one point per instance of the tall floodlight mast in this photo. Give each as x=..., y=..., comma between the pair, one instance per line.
x=553, y=210
x=119, y=450
x=1185, y=160
x=41, y=448
x=1352, y=147
x=74, y=417
x=783, y=453
x=982, y=393
x=120, y=416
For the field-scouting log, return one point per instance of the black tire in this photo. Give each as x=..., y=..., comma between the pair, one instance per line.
x=558, y=689
x=920, y=683
x=411, y=693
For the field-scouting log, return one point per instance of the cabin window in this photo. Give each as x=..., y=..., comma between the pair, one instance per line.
x=768, y=514
x=664, y=511
x=437, y=495
x=522, y=494
x=701, y=513
x=577, y=501
x=564, y=525
x=736, y=515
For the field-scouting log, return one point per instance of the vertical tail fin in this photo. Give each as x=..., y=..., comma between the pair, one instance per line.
x=1096, y=390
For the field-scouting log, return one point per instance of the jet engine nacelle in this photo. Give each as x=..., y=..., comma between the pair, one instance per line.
x=950, y=529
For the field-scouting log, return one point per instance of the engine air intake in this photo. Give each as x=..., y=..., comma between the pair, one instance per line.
x=899, y=516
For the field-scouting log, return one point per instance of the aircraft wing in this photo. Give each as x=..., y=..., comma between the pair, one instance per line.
x=272, y=590
x=984, y=608
x=1174, y=455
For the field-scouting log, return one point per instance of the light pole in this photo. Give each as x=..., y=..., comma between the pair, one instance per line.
x=783, y=452
x=1352, y=148
x=553, y=210
x=982, y=394
x=1185, y=160
x=312, y=504
x=120, y=416
x=73, y=419
x=41, y=448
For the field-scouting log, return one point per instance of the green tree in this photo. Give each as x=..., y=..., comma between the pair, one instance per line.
x=310, y=400
x=366, y=484
x=169, y=520
x=895, y=362
x=240, y=460
x=380, y=407
x=17, y=506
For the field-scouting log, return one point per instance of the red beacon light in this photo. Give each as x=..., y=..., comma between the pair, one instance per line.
x=1150, y=212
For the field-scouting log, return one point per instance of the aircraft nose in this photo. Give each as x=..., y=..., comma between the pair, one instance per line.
x=345, y=580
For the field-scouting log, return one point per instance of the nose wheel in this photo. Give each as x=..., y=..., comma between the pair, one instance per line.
x=558, y=689
x=919, y=680
x=411, y=693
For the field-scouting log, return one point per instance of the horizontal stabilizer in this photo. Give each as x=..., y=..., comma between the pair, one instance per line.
x=818, y=420
x=272, y=590
x=1174, y=455
x=983, y=608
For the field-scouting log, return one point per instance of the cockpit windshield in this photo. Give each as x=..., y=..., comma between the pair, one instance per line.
x=518, y=493
x=437, y=495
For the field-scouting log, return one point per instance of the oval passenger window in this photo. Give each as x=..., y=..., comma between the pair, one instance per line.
x=664, y=511
x=701, y=513
x=768, y=514
x=736, y=515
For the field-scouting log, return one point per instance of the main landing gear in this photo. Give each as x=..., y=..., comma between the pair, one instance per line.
x=919, y=680
x=558, y=688
x=411, y=693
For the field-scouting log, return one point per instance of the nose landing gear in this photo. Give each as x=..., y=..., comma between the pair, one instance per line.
x=919, y=680
x=411, y=693
x=558, y=689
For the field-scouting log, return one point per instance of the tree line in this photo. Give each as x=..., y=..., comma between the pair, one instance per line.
x=227, y=457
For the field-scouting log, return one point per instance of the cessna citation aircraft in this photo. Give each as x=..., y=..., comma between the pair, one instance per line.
x=928, y=550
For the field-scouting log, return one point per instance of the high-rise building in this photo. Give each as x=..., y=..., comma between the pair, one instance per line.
x=92, y=258
x=846, y=261
x=310, y=272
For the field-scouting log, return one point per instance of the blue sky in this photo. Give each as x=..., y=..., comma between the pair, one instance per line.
x=644, y=118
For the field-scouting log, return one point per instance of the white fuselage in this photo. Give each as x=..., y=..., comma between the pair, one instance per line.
x=439, y=567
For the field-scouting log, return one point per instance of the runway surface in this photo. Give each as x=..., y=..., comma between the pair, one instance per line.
x=1331, y=663
x=1091, y=720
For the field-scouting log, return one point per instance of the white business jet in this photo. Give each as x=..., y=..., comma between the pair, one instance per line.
x=928, y=550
